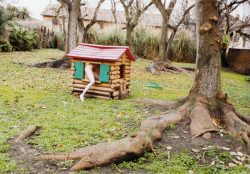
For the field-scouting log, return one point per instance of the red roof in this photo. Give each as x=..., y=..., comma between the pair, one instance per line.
x=100, y=53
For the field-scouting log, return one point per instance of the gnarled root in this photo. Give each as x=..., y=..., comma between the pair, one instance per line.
x=237, y=127
x=166, y=104
x=62, y=63
x=166, y=66
x=128, y=148
x=201, y=121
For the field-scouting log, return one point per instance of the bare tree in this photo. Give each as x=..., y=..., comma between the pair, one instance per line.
x=162, y=62
x=133, y=11
x=165, y=13
x=204, y=102
x=81, y=26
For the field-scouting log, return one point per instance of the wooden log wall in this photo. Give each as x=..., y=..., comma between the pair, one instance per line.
x=103, y=90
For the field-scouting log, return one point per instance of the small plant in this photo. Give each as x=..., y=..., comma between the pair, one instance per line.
x=67, y=163
x=225, y=156
x=5, y=46
x=211, y=151
x=171, y=126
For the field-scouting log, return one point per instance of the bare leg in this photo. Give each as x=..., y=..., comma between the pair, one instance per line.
x=90, y=74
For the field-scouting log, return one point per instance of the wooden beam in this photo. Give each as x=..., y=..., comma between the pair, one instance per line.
x=114, y=68
x=91, y=91
x=93, y=87
x=107, y=85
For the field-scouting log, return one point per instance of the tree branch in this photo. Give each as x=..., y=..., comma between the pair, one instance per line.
x=183, y=16
x=93, y=20
x=146, y=7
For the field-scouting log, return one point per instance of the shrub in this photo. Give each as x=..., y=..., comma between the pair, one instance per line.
x=94, y=35
x=115, y=36
x=23, y=40
x=2, y=21
x=183, y=48
x=58, y=41
x=5, y=46
x=145, y=42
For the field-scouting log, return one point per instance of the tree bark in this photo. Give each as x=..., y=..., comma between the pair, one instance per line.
x=73, y=10
x=208, y=64
x=165, y=13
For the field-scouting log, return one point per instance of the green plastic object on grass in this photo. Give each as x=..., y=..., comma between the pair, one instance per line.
x=154, y=85
x=247, y=78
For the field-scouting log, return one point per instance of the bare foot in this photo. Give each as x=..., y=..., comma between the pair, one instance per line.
x=82, y=97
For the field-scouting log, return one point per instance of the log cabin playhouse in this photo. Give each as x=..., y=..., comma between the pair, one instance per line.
x=115, y=68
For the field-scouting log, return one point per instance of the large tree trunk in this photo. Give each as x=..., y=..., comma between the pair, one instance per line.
x=73, y=11
x=208, y=63
x=170, y=40
x=129, y=32
x=204, y=99
x=164, y=41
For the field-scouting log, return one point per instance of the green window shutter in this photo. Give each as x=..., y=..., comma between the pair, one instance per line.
x=79, y=66
x=104, y=73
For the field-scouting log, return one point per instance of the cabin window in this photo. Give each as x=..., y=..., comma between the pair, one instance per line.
x=122, y=69
x=101, y=72
x=96, y=72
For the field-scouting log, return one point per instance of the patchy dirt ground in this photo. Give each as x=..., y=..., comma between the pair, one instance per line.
x=175, y=139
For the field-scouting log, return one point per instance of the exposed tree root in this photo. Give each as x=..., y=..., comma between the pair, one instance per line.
x=165, y=66
x=151, y=130
x=26, y=133
x=167, y=104
x=62, y=63
x=128, y=148
x=235, y=125
x=200, y=120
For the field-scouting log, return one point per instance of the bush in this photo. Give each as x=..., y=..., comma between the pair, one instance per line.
x=23, y=40
x=145, y=42
x=115, y=36
x=2, y=21
x=58, y=41
x=183, y=48
x=5, y=46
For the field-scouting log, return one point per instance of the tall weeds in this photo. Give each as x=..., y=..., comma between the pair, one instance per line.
x=145, y=42
x=183, y=48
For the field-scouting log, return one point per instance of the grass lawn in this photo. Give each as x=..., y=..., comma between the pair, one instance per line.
x=42, y=97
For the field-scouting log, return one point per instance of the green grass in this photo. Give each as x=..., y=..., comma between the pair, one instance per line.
x=42, y=97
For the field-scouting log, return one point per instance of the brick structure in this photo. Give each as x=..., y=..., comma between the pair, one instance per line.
x=239, y=60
